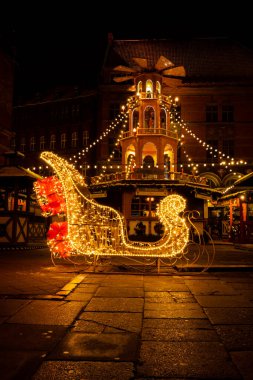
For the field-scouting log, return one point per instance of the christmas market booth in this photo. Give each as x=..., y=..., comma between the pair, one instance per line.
x=238, y=201
x=21, y=223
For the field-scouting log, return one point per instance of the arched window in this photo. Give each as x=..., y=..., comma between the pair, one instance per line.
x=148, y=162
x=32, y=144
x=139, y=87
x=158, y=87
x=22, y=144
x=42, y=142
x=63, y=140
x=130, y=152
x=163, y=118
x=169, y=164
x=52, y=142
x=74, y=139
x=149, y=117
x=135, y=118
x=149, y=88
x=149, y=154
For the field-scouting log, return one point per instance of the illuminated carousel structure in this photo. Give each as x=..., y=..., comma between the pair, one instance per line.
x=91, y=231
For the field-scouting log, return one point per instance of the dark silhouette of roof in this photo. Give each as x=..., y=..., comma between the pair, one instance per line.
x=204, y=59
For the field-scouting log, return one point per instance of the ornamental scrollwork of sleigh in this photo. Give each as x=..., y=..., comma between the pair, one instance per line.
x=91, y=230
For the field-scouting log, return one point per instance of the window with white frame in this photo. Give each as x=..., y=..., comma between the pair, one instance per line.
x=74, y=139
x=42, y=142
x=211, y=112
x=63, y=140
x=22, y=144
x=32, y=144
x=52, y=142
x=227, y=113
x=85, y=138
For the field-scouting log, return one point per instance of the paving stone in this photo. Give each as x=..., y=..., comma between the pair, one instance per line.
x=109, y=347
x=112, y=330
x=211, y=288
x=170, y=287
x=19, y=337
x=124, y=283
x=174, y=306
x=69, y=370
x=223, y=301
x=15, y=365
x=79, y=278
x=163, y=280
x=186, y=359
x=177, y=335
x=243, y=361
x=233, y=277
x=160, y=300
x=63, y=293
x=183, y=297
x=69, y=287
x=47, y=313
x=9, y=307
x=124, y=278
x=87, y=327
x=119, y=292
x=171, y=324
x=126, y=321
x=82, y=297
x=32, y=283
x=159, y=295
x=48, y=297
x=90, y=279
x=174, y=313
x=219, y=315
x=115, y=304
x=235, y=337
x=86, y=288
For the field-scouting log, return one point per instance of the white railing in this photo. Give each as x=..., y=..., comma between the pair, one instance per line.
x=148, y=174
x=151, y=131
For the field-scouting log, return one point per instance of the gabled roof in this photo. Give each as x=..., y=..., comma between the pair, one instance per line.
x=245, y=181
x=239, y=187
x=17, y=172
x=216, y=59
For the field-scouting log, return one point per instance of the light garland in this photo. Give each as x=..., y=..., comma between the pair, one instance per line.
x=166, y=102
x=222, y=156
x=94, y=229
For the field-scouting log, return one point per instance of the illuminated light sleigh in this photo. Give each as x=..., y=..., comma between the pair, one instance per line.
x=93, y=231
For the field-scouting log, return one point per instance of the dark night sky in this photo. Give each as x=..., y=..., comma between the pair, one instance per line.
x=57, y=46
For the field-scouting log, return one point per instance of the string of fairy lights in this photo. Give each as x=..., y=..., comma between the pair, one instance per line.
x=176, y=122
x=224, y=160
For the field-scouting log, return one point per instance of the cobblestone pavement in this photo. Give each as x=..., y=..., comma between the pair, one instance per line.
x=130, y=326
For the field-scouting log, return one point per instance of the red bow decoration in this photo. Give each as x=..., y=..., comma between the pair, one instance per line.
x=57, y=231
x=50, y=196
x=57, y=237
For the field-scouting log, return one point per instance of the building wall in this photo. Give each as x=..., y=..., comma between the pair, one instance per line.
x=6, y=101
x=67, y=112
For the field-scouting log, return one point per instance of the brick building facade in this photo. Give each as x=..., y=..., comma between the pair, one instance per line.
x=62, y=120
x=6, y=97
